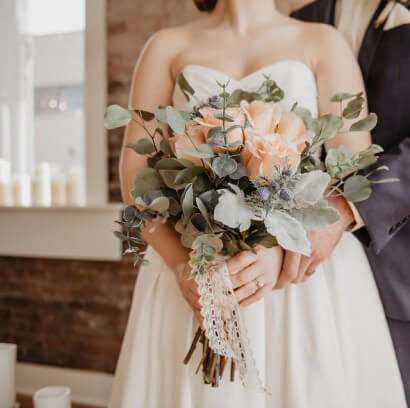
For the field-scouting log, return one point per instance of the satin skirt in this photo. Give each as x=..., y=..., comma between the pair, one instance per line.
x=320, y=344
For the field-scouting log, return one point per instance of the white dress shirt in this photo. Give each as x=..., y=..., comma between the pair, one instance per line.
x=352, y=17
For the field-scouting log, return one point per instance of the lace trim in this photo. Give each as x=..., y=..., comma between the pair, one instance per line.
x=224, y=326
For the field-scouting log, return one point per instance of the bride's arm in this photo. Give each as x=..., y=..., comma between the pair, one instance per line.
x=152, y=86
x=336, y=70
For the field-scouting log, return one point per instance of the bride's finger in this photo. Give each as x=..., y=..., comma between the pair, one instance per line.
x=240, y=261
x=245, y=275
x=258, y=295
x=248, y=289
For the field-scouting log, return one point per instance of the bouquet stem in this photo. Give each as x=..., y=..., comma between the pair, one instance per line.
x=213, y=365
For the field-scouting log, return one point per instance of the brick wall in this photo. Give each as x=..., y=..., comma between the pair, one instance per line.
x=73, y=313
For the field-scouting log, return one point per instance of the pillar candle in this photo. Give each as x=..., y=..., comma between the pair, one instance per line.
x=8, y=355
x=59, y=191
x=22, y=190
x=41, y=186
x=5, y=183
x=52, y=397
x=76, y=187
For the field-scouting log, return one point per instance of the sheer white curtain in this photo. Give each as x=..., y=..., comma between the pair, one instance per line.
x=16, y=87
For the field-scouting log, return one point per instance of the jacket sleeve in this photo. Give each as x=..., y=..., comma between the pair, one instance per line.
x=388, y=208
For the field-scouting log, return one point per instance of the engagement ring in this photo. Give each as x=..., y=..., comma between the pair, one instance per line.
x=259, y=284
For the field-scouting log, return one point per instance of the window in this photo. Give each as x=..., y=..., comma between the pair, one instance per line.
x=42, y=111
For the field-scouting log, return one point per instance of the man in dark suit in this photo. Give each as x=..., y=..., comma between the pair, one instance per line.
x=379, y=33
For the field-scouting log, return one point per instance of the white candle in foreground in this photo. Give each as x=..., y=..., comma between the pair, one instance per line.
x=8, y=355
x=22, y=190
x=52, y=397
x=5, y=183
x=41, y=193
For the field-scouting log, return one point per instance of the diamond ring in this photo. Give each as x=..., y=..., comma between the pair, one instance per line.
x=259, y=284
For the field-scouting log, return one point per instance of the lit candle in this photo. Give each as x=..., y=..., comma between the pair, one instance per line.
x=76, y=187
x=22, y=190
x=5, y=184
x=52, y=397
x=41, y=186
x=8, y=355
x=59, y=191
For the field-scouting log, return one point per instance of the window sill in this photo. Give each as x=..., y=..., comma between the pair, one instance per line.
x=60, y=232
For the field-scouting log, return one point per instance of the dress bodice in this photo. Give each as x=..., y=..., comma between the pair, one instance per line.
x=294, y=77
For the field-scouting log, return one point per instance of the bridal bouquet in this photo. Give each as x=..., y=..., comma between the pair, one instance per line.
x=234, y=173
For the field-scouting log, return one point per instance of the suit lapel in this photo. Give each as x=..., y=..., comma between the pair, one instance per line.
x=370, y=42
x=325, y=11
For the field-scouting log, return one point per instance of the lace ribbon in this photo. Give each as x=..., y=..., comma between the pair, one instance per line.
x=224, y=326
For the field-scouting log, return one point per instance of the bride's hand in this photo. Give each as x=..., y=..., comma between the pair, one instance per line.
x=254, y=275
x=189, y=289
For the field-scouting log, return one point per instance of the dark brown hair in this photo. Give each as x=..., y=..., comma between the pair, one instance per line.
x=205, y=5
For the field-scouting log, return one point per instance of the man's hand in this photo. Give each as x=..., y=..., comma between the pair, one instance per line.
x=296, y=267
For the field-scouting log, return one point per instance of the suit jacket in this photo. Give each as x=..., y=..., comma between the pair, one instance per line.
x=384, y=59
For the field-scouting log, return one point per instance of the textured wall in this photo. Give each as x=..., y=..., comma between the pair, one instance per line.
x=130, y=24
x=73, y=313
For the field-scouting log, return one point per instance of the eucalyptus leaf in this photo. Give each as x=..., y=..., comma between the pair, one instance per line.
x=188, y=203
x=208, y=240
x=224, y=166
x=203, y=210
x=353, y=108
x=145, y=115
x=366, y=125
x=288, y=231
x=186, y=175
x=357, y=188
x=330, y=125
x=159, y=204
x=169, y=164
x=341, y=96
x=142, y=146
x=169, y=176
x=164, y=146
x=241, y=171
x=146, y=180
x=186, y=88
x=176, y=119
x=116, y=116
x=239, y=95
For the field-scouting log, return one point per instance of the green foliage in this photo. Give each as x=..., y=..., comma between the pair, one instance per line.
x=145, y=115
x=354, y=107
x=367, y=124
x=175, y=119
x=116, y=117
x=224, y=165
x=146, y=180
x=143, y=146
x=357, y=188
x=188, y=203
x=186, y=88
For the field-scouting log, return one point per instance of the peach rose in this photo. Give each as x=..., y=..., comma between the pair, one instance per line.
x=198, y=129
x=273, y=138
x=263, y=117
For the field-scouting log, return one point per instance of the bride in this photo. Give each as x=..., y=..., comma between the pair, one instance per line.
x=318, y=342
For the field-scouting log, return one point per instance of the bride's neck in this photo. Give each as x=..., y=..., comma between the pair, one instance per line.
x=243, y=15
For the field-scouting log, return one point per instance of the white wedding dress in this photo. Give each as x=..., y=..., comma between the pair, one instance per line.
x=320, y=344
